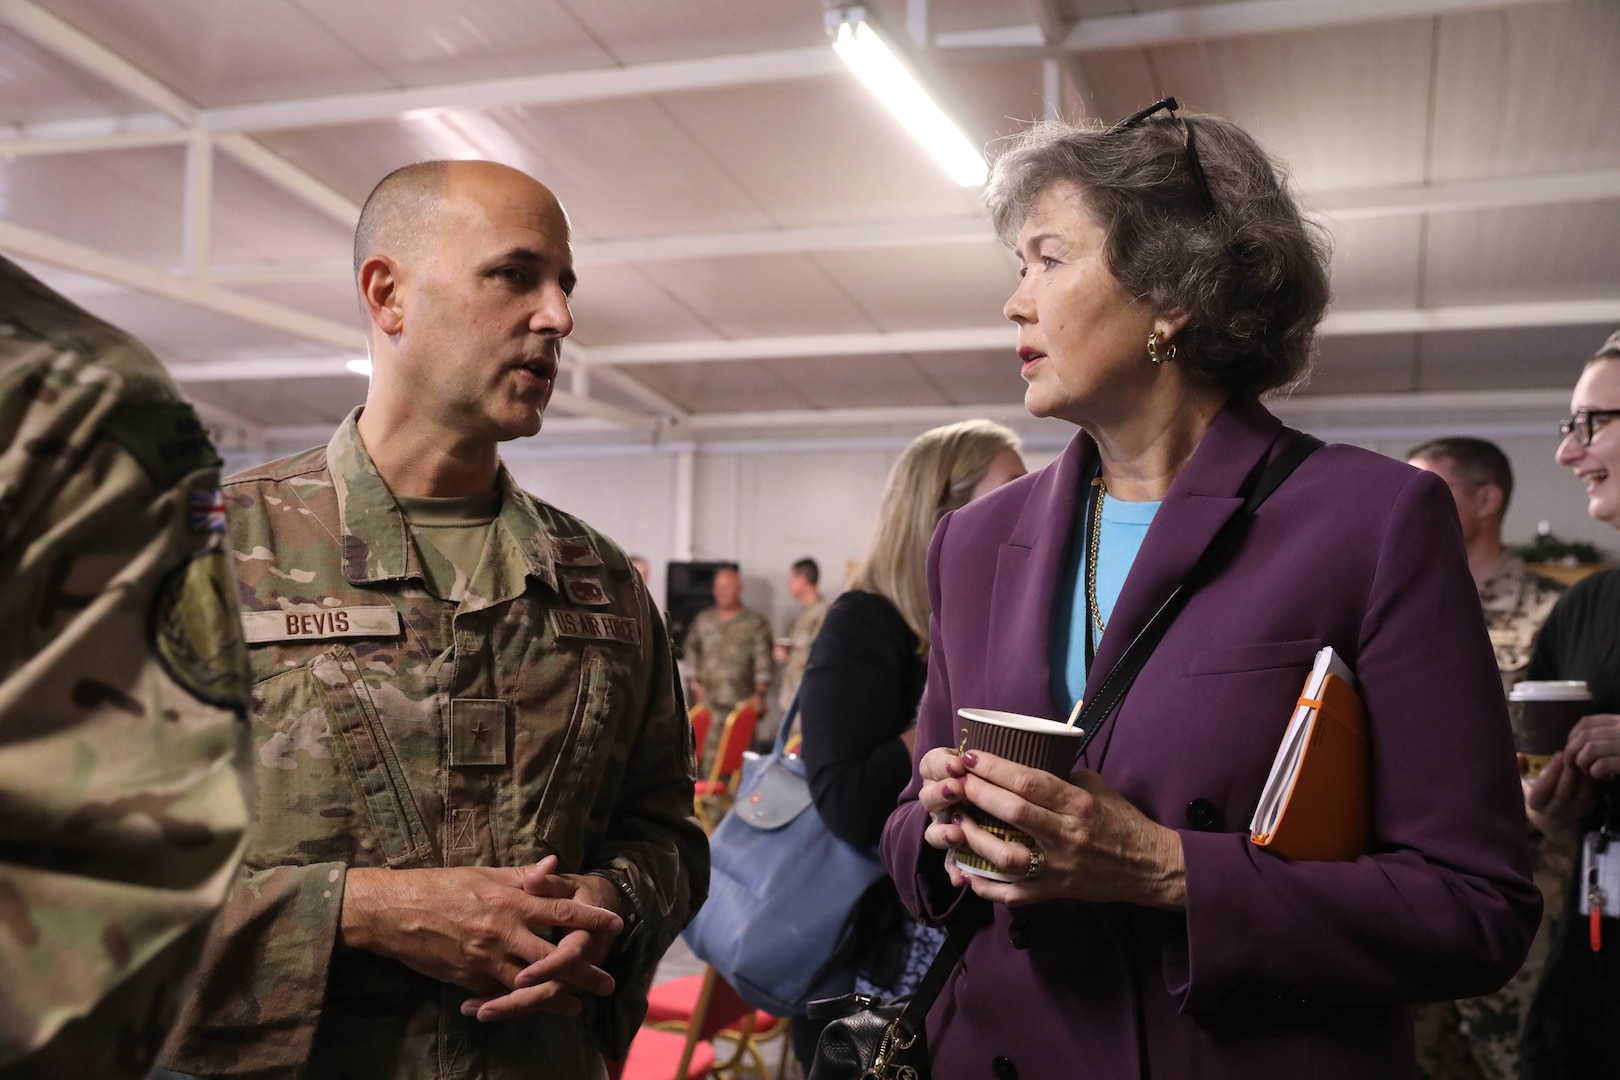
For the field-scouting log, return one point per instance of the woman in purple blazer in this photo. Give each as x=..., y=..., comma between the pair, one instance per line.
x=1168, y=280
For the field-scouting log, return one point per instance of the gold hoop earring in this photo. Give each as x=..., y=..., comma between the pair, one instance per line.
x=1153, y=349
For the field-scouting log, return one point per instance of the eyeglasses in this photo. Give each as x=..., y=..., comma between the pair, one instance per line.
x=1580, y=425
x=1193, y=166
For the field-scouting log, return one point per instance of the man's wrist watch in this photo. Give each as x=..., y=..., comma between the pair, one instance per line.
x=631, y=913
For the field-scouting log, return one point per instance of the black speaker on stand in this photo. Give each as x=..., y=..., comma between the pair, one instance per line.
x=688, y=589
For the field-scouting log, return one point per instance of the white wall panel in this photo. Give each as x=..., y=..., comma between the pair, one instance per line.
x=767, y=510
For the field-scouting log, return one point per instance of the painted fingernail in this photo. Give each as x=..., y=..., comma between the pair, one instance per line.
x=956, y=819
x=970, y=759
x=947, y=792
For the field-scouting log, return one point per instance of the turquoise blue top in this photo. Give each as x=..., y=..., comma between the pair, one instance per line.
x=1124, y=524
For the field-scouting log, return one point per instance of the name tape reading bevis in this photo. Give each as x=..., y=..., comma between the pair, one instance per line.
x=370, y=621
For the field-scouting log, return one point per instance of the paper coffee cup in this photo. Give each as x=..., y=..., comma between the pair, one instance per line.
x=1029, y=740
x=1543, y=712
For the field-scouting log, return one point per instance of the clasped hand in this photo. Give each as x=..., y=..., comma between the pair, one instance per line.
x=1561, y=798
x=482, y=927
x=1096, y=845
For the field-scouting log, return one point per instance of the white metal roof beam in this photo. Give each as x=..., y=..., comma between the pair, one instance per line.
x=626, y=383
x=1337, y=323
x=853, y=237
x=27, y=144
x=595, y=84
x=95, y=58
x=789, y=347
x=1054, y=27
x=31, y=244
x=226, y=371
x=1423, y=403
x=290, y=178
x=1179, y=26
x=560, y=88
x=1399, y=199
x=1380, y=202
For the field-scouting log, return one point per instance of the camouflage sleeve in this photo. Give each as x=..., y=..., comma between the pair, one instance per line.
x=122, y=678
x=653, y=844
x=263, y=975
x=764, y=664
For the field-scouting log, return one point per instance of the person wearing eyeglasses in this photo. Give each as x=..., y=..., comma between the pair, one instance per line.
x=1168, y=280
x=1573, y=1028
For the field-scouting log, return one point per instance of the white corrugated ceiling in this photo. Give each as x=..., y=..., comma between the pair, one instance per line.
x=761, y=248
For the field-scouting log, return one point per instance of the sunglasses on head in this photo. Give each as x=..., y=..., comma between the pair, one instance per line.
x=1193, y=166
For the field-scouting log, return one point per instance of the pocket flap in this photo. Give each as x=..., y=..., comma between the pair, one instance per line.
x=775, y=796
x=1260, y=657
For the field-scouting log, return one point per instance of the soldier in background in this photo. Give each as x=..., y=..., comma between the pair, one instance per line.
x=123, y=684
x=804, y=585
x=1479, y=1037
x=728, y=657
x=474, y=836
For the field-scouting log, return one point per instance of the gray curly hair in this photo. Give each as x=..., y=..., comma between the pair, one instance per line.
x=1252, y=274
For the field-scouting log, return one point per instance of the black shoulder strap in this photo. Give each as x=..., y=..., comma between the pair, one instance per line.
x=964, y=922
x=1264, y=479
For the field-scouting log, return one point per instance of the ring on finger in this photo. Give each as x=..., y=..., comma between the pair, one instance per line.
x=1037, y=864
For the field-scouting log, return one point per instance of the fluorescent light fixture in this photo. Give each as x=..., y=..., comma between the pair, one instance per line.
x=359, y=367
x=870, y=58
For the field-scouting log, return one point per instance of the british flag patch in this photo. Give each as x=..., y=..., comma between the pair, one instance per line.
x=207, y=510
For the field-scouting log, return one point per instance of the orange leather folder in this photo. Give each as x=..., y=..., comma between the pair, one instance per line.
x=1325, y=812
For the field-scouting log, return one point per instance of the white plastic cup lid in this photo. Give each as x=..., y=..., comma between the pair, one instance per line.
x=1551, y=690
x=1019, y=721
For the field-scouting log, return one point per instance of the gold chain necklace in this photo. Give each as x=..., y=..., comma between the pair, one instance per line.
x=1091, y=563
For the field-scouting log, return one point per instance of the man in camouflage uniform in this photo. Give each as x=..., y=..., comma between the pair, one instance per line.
x=475, y=834
x=1479, y=1037
x=804, y=585
x=728, y=656
x=123, y=686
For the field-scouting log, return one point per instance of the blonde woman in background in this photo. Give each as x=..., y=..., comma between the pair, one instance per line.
x=858, y=700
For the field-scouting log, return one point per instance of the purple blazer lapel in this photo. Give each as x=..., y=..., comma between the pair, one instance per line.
x=1200, y=500
x=1029, y=566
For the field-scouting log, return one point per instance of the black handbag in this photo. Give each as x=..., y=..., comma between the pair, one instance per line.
x=886, y=1040
x=873, y=1040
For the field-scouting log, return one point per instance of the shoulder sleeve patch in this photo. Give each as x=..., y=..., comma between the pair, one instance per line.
x=189, y=631
x=575, y=551
x=165, y=437
x=586, y=591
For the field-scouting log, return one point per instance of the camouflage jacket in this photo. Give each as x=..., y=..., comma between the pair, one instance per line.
x=123, y=683
x=1516, y=602
x=397, y=729
x=806, y=625
x=729, y=658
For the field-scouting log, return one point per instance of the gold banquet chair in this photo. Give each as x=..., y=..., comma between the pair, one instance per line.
x=672, y=1004
x=687, y=1053
x=715, y=792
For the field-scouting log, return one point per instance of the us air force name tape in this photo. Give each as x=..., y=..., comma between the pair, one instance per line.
x=595, y=626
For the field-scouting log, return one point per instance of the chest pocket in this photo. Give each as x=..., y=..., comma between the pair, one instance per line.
x=573, y=785
x=379, y=780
